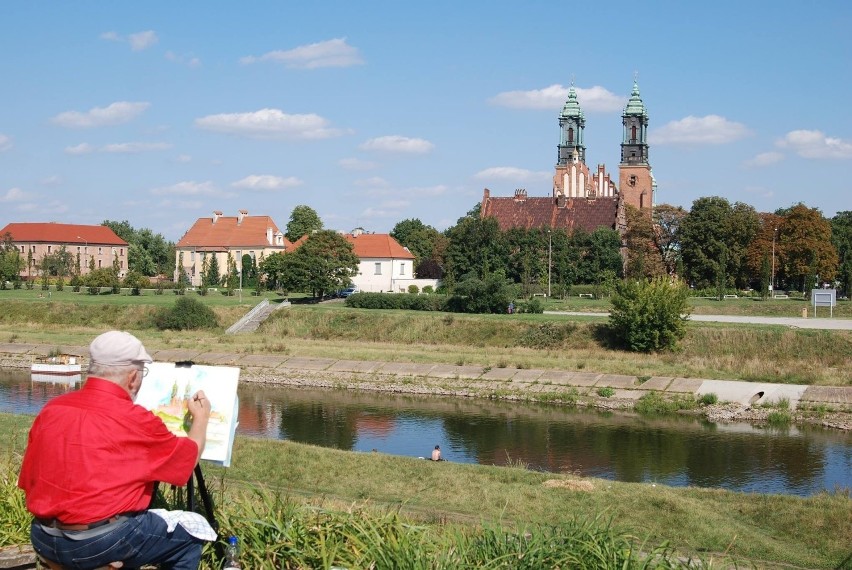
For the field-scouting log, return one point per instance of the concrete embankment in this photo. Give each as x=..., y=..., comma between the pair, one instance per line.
x=738, y=401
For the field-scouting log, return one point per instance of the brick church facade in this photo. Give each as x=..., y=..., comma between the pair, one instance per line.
x=582, y=199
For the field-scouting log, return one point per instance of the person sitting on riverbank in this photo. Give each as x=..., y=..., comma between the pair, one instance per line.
x=436, y=453
x=91, y=463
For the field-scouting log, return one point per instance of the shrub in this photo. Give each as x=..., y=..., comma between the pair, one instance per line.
x=428, y=290
x=187, y=313
x=413, y=289
x=708, y=399
x=649, y=315
x=533, y=306
x=654, y=403
x=606, y=392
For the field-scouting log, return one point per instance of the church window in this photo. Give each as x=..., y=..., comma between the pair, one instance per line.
x=633, y=133
x=570, y=135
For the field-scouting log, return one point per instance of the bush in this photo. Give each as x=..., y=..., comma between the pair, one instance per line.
x=606, y=392
x=394, y=301
x=708, y=399
x=187, y=313
x=428, y=290
x=534, y=306
x=413, y=289
x=649, y=316
x=654, y=403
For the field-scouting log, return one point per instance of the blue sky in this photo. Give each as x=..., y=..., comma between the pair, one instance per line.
x=373, y=112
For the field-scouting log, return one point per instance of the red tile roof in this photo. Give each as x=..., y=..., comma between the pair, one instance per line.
x=376, y=246
x=381, y=246
x=227, y=232
x=588, y=214
x=51, y=232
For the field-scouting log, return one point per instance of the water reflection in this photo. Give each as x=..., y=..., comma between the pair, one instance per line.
x=674, y=451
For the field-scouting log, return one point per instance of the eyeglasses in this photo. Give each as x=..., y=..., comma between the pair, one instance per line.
x=144, y=371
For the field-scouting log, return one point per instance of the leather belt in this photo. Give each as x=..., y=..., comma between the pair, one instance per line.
x=57, y=524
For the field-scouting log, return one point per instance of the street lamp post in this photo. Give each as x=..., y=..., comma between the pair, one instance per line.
x=772, y=278
x=549, y=257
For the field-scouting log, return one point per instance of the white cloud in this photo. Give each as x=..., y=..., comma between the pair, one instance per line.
x=189, y=188
x=267, y=182
x=711, y=129
x=511, y=173
x=183, y=158
x=814, y=144
x=51, y=180
x=427, y=191
x=187, y=60
x=142, y=40
x=114, y=114
x=764, y=159
x=331, y=53
x=138, y=41
x=5, y=142
x=595, y=99
x=386, y=209
x=372, y=182
x=118, y=148
x=14, y=195
x=269, y=123
x=356, y=164
x=396, y=143
x=134, y=147
x=82, y=148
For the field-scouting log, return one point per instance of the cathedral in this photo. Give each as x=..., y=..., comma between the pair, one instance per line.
x=582, y=199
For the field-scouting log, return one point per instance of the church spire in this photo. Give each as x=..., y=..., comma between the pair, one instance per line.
x=634, y=144
x=571, y=125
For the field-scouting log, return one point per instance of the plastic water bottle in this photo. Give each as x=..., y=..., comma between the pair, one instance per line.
x=232, y=555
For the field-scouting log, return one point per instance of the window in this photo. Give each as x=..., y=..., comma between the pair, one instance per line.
x=378, y=269
x=192, y=256
x=48, y=248
x=22, y=249
x=32, y=248
x=121, y=252
x=100, y=251
x=79, y=249
x=99, y=264
x=402, y=269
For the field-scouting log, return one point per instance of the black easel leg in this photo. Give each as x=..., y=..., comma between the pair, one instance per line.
x=205, y=498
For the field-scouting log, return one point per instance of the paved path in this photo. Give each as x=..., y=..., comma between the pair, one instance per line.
x=798, y=322
x=624, y=386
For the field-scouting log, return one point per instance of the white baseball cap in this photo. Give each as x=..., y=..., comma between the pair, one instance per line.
x=118, y=348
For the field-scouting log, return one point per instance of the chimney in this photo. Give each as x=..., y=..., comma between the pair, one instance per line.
x=520, y=195
x=216, y=215
x=269, y=235
x=243, y=214
x=486, y=194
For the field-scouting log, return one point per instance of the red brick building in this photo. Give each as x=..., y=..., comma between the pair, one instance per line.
x=581, y=199
x=35, y=240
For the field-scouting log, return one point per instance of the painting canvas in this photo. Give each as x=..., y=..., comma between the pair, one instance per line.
x=167, y=387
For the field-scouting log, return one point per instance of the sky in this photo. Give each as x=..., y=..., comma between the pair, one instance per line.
x=160, y=113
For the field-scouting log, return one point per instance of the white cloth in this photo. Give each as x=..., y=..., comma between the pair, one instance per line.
x=193, y=523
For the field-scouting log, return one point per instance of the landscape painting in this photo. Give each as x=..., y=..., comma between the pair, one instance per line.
x=168, y=386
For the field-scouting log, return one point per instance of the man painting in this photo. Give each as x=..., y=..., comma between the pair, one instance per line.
x=91, y=463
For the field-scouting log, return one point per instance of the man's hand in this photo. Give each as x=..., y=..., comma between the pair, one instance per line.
x=199, y=407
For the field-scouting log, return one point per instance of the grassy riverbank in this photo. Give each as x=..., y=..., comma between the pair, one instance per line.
x=710, y=350
x=293, y=502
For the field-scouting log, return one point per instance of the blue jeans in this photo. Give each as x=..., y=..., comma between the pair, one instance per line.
x=139, y=540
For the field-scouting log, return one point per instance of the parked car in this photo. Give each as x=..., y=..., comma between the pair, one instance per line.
x=348, y=291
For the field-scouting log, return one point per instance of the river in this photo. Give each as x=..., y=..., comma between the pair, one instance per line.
x=677, y=451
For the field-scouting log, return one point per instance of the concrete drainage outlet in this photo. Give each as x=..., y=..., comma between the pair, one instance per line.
x=754, y=399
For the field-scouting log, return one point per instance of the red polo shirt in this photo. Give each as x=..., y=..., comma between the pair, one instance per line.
x=93, y=454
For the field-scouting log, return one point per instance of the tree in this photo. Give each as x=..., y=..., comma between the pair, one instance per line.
x=711, y=227
x=210, y=276
x=667, y=221
x=805, y=239
x=11, y=262
x=644, y=256
x=147, y=252
x=135, y=281
x=489, y=295
x=841, y=237
x=476, y=245
x=427, y=244
x=761, y=246
x=58, y=263
x=600, y=255
x=651, y=315
x=325, y=262
x=303, y=220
